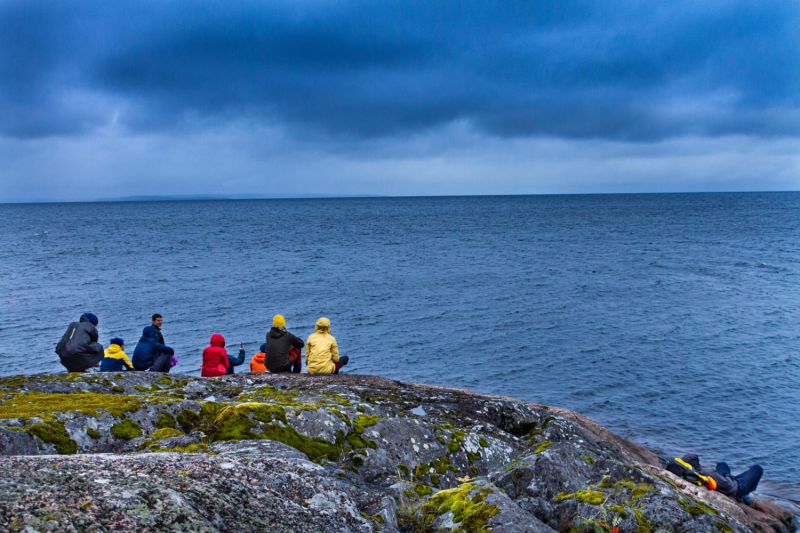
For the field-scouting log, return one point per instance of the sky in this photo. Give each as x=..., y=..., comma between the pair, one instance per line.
x=106, y=99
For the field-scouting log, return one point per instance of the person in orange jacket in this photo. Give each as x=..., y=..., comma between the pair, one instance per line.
x=257, y=362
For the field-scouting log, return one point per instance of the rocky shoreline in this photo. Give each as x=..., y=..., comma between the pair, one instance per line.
x=150, y=452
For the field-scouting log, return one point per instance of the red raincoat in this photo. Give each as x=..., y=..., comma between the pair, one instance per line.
x=215, y=358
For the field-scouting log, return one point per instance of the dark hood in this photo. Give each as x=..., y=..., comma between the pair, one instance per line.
x=150, y=332
x=692, y=459
x=276, y=332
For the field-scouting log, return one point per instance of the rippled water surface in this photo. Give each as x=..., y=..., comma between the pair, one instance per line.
x=670, y=319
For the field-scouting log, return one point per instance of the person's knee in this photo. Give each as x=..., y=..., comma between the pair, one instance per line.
x=757, y=470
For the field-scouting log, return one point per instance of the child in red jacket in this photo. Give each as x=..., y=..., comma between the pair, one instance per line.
x=215, y=358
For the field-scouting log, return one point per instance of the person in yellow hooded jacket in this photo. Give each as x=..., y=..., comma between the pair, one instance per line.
x=322, y=352
x=115, y=359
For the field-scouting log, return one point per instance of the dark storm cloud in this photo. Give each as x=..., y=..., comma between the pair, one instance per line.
x=367, y=69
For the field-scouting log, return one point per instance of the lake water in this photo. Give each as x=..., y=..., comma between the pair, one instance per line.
x=671, y=319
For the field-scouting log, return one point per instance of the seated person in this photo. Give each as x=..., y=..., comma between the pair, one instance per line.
x=257, y=362
x=322, y=352
x=78, y=348
x=236, y=361
x=283, y=348
x=148, y=348
x=115, y=359
x=215, y=358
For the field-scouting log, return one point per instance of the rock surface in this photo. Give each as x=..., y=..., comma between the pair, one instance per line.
x=141, y=451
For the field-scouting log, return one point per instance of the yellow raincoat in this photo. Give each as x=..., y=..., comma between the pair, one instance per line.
x=321, y=349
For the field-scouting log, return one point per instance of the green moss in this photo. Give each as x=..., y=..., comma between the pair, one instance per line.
x=54, y=432
x=435, y=479
x=591, y=497
x=645, y=526
x=542, y=446
x=442, y=465
x=364, y=421
x=117, y=388
x=93, y=433
x=46, y=405
x=683, y=502
x=722, y=527
x=376, y=518
x=605, y=483
x=620, y=510
x=191, y=448
x=166, y=420
x=441, y=439
x=474, y=470
x=453, y=445
x=472, y=457
x=237, y=422
x=694, y=510
x=188, y=419
x=141, y=389
x=127, y=429
x=358, y=461
x=588, y=459
x=403, y=468
x=410, y=494
x=350, y=468
x=422, y=490
x=483, y=442
x=641, y=490
x=471, y=513
x=165, y=433
x=357, y=441
x=625, y=484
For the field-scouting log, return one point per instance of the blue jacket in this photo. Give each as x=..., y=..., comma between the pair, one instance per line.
x=235, y=361
x=148, y=348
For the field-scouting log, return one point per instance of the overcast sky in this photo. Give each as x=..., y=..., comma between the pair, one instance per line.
x=110, y=99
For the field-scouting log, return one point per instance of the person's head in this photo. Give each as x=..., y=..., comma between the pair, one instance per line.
x=89, y=317
x=263, y=348
x=279, y=321
x=217, y=340
x=323, y=325
x=150, y=332
x=119, y=342
x=157, y=320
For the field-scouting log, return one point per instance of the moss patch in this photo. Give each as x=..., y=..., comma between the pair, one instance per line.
x=592, y=497
x=53, y=432
x=542, y=446
x=127, y=429
x=188, y=419
x=470, y=512
x=165, y=433
x=645, y=526
x=191, y=448
x=620, y=510
x=588, y=459
x=641, y=490
x=237, y=422
x=45, y=406
x=93, y=433
x=166, y=420
x=483, y=442
x=422, y=490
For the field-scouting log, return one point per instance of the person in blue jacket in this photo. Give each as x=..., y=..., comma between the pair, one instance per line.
x=236, y=361
x=148, y=348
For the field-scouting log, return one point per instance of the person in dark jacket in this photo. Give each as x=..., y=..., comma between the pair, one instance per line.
x=738, y=487
x=148, y=348
x=279, y=357
x=158, y=321
x=236, y=361
x=78, y=348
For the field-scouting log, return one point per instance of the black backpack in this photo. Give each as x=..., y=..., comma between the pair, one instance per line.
x=684, y=470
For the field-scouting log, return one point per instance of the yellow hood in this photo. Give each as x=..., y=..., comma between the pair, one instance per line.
x=323, y=326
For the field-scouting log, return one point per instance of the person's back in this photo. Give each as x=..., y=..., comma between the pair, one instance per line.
x=279, y=355
x=322, y=352
x=78, y=348
x=115, y=359
x=257, y=362
x=148, y=348
x=215, y=358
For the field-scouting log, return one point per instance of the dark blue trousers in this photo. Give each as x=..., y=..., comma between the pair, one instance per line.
x=747, y=481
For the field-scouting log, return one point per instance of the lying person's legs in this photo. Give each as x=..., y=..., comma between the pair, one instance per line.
x=748, y=481
x=724, y=469
x=343, y=359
